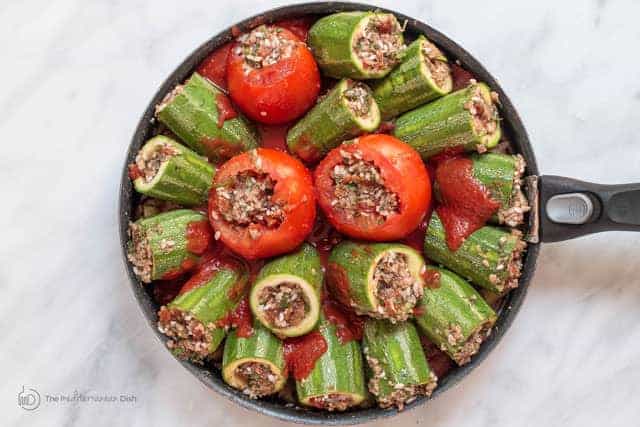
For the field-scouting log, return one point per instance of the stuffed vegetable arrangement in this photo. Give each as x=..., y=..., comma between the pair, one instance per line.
x=287, y=224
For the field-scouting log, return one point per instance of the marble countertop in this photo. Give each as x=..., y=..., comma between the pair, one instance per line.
x=78, y=74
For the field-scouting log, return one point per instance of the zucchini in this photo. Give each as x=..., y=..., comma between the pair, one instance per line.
x=195, y=320
x=448, y=123
x=422, y=76
x=453, y=315
x=172, y=172
x=191, y=111
x=255, y=365
x=491, y=257
x=502, y=174
x=159, y=245
x=382, y=280
x=348, y=110
x=344, y=44
x=398, y=369
x=285, y=297
x=337, y=379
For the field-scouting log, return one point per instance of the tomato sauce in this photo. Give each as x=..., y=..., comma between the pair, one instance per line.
x=338, y=283
x=461, y=77
x=165, y=291
x=273, y=136
x=466, y=204
x=348, y=324
x=220, y=148
x=386, y=127
x=415, y=239
x=298, y=26
x=431, y=279
x=214, y=67
x=301, y=353
x=225, y=109
x=240, y=318
x=134, y=172
x=198, y=237
x=187, y=265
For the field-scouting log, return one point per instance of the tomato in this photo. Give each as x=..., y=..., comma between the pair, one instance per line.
x=214, y=67
x=275, y=93
x=290, y=194
x=402, y=173
x=298, y=26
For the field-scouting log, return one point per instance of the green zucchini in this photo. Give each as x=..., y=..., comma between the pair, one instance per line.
x=362, y=275
x=348, y=110
x=170, y=171
x=422, y=76
x=255, y=365
x=285, y=297
x=194, y=320
x=448, y=123
x=491, y=257
x=502, y=174
x=337, y=379
x=344, y=44
x=191, y=111
x=453, y=315
x=159, y=246
x=398, y=369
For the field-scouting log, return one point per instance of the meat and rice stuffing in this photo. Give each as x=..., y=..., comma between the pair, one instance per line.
x=379, y=43
x=359, y=99
x=257, y=379
x=284, y=305
x=484, y=114
x=139, y=253
x=396, y=290
x=149, y=162
x=188, y=336
x=436, y=63
x=514, y=214
x=332, y=402
x=264, y=46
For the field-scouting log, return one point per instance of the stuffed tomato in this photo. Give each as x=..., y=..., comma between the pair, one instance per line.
x=373, y=188
x=272, y=76
x=262, y=203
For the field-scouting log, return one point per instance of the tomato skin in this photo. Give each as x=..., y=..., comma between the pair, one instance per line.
x=403, y=173
x=277, y=93
x=293, y=189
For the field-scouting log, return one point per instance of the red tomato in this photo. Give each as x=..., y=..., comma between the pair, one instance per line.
x=214, y=67
x=292, y=191
x=298, y=26
x=276, y=93
x=402, y=172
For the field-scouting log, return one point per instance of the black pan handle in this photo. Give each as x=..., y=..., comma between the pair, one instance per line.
x=570, y=208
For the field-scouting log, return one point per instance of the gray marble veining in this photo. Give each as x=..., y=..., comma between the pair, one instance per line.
x=76, y=77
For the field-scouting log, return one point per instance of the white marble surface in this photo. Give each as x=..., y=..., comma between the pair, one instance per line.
x=76, y=76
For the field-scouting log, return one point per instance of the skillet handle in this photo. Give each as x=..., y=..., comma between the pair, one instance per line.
x=570, y=208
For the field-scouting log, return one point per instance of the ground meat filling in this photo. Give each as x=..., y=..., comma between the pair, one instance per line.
x=359, y=189
x=139, y=253
x=358, y=99
x=514, y=265
x=469, y=347
x=188, y=336
x=148, y=162
x=402, y=394
x=247, y=202
x=485, y=114
x=257, y=379
x=264, y=46
x=332, y=402
x=283, y=305
x=396, y=290
x=436, y=63
x=379, y=44
x=169, y=97
x=518, y=206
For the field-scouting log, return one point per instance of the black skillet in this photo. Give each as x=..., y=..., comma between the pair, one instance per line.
x=563, y=209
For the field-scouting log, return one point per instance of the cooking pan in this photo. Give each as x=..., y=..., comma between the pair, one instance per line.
x=562, y=208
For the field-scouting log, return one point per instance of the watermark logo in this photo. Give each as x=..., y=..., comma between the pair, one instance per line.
x=29, y=399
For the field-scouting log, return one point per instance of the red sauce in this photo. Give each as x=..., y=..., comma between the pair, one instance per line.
x=134, y=172
x=307, y=151
x=386, y=127
x=298, y=26
x=273, y=136
x=165, y=291
x=461, y=77
x=301, y=353
x=438, y=360
x=348, y=325
x=338, y=283
x=214, y=67
x=324, y=237
x=219, y=148
x=240, y=318
x=225, y=109
x=418, y=311
x=198, y=237
x=187, y=264
x=431, y=279
x=416, y=238
x=466, y=204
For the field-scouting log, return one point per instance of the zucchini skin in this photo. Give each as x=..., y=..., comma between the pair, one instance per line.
x=409, y=85
x=338, y=370
x=184, y=179
x=262, y=346
x=330, y=40
x=213, y=300
x=192, y=114
x=350, y=264
x=166, y=234
x=454, y=316
x=327, y=125
x=483, y=258
x=395, y=359
x=444, y=124
x=304, y=265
